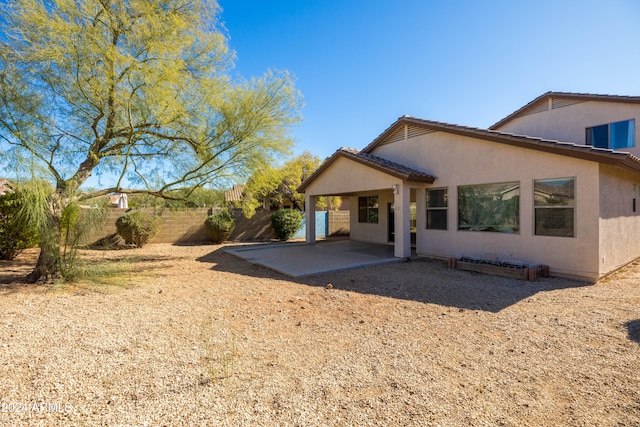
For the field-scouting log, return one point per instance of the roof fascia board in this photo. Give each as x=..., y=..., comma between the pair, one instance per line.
x=554, y=147
x=566, y=95
x=354, y=157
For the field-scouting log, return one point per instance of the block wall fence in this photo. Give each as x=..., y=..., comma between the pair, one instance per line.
x=187, y=226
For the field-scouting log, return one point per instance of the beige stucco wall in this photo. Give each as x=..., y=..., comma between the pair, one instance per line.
x=569, y=123
x=346, y=176
x=351, y=179
x=375, y=233
x=456, y=160
x=619, y=225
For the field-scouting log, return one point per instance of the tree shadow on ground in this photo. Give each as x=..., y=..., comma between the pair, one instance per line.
x=14, y=272
x=223, y=261
x=422, y=280
x=633, y=329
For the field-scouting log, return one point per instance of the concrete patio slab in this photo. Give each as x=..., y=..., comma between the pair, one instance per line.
x=301, y=259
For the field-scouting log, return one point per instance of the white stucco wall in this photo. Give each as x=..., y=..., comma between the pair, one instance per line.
x=456, y=160
x=569, y=124
x=619, y=225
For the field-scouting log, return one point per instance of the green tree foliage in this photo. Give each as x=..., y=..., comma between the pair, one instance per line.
x=278, y=184
x=137, y=228
x=286, y=222
x=220, y=226
x=15, y=236
x=140, y=89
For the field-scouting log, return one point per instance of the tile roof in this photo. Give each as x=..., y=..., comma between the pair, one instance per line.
x=586, y=152
x=392, y=168
x=5, y=187
x=234, y=194
x=566, y=95
x=620, y=159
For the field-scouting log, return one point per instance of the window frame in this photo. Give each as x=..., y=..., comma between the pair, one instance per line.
x=504, y=228
x=537, y=207
x=368, y=209
x=444, y=208
x=589, y=140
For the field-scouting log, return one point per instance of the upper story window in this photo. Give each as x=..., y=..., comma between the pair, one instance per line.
x=613, y=135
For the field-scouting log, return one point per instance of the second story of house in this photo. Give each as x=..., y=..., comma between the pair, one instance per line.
x=601, y=121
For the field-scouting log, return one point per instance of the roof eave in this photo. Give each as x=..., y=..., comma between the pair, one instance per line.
x=566, y=95
x=618, y=158
x=412, y=177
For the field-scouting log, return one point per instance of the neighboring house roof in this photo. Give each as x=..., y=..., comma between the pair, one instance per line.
x=235, y=194
x=375, y=162
x=534, y=105
x=5, y=187
x=586, y=152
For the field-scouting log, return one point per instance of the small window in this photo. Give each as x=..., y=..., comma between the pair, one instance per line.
x=554, y=205
x=437, y=209
x=613, y=135
x=489, y=207
x=368, y=209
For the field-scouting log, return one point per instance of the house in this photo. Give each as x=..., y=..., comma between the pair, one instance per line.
x=556, y=183
x=5, y=187
x=119, y=200
x=236, y=194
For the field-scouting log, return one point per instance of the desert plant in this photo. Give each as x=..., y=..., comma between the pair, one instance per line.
x=137, y=228
x=76, y=224
x=286, y=222
x=220, y=226
x=15, y=235
x=61, y=233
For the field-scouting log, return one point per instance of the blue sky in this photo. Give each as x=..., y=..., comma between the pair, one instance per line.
x=361, y=64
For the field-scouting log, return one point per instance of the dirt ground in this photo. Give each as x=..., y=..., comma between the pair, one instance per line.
x=190, y=335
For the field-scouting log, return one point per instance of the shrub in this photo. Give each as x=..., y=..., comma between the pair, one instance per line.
x=68, y=223
x=286, y=222
x=220, y=226
x=15, y=235
x=137, y=228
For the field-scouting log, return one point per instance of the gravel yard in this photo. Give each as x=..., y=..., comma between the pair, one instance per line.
x=190, y=335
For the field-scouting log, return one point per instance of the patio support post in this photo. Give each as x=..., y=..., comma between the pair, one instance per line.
x=421, y=212
x=402, y=231
x=310, y=214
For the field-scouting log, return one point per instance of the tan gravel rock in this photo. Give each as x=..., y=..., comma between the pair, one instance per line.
x=198, y=337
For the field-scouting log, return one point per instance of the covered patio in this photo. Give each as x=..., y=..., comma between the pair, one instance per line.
x=387, y=198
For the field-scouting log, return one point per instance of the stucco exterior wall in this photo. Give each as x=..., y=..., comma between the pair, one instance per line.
x=569, y=123
x=375, y=233
x=346, y=176
x=619, y=224
x=456, y=160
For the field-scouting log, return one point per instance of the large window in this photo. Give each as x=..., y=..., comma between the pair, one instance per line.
x=554, y=205
x=368, y=209
x=613, y=135
x=437, y=209
x=489, y=207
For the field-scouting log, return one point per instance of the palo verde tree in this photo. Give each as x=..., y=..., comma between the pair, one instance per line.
x=138, y=89
x=277, y=184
